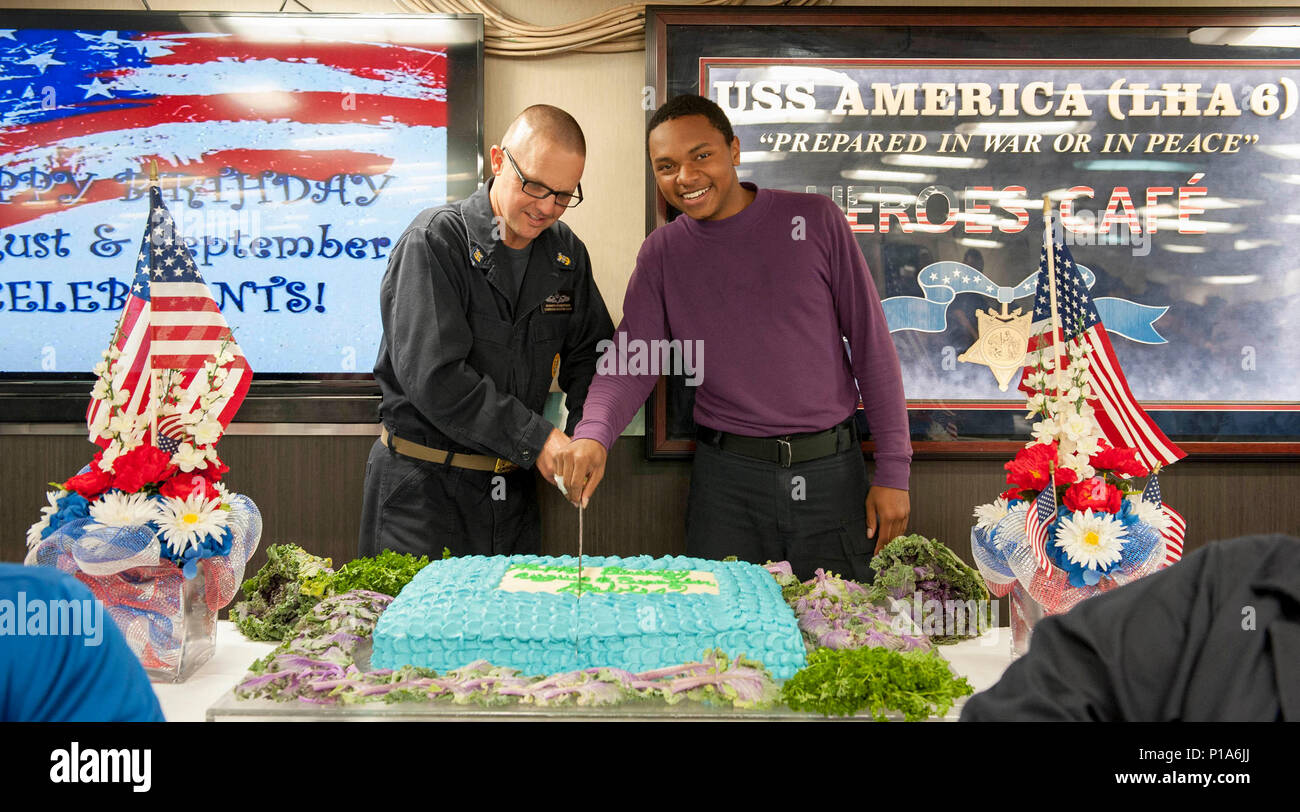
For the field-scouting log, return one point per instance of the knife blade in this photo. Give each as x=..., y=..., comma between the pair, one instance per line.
x=577, y=640
x=577, y=614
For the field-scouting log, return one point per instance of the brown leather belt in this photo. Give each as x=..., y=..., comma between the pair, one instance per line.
x=474, y=462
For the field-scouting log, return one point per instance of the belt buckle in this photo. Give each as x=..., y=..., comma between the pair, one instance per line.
x=785, y=453
x=504, y=466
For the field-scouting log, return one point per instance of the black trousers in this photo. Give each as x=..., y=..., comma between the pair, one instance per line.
x=812, y=514
x=418, y=507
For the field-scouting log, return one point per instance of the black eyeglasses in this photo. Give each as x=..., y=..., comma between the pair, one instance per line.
x=540, y=191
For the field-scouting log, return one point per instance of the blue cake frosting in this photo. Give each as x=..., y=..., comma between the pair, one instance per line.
x=454, y=612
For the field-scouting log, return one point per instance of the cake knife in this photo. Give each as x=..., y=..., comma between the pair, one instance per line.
x=577, y=640
x=577, y=615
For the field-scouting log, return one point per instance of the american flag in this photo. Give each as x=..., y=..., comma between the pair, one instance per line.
x=1173, y=535
x=92, y=104
x=171, y=322
x=1040, y=515
x=1123, y=422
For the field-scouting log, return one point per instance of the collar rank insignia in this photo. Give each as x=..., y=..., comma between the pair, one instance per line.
x=563, y=260
x=478, y=255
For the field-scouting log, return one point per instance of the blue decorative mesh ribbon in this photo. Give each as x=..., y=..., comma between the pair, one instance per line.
x=1004, y=558
x=145, y=593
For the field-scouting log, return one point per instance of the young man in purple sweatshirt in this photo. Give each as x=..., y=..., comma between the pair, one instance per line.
x=764, y=286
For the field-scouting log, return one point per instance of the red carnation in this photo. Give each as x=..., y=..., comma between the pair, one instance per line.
x=92, y=483
x=1066, y=476
x=1119, y=460
x=1032, y=466
x=1095, y=493
x=182, y=486
x=140, y=466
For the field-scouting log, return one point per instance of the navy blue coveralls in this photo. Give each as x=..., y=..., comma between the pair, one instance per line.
x=461, y=370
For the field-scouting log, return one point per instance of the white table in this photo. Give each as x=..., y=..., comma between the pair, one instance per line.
x=981, y=661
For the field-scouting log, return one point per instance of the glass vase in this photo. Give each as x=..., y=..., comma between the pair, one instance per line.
x=1025, y=613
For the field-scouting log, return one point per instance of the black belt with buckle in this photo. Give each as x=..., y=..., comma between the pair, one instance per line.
x=787, y=449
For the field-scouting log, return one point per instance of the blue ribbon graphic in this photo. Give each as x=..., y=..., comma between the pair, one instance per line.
x=941, y=282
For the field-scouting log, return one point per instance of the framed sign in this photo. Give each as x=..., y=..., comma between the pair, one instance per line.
x=292, y=149
x=1167, y=143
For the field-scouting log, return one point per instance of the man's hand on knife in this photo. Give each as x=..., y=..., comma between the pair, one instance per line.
x=555, y=443
x=580, y=463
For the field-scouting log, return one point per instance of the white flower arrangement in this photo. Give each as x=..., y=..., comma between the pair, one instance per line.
x=125, y=431
x=1065, y=417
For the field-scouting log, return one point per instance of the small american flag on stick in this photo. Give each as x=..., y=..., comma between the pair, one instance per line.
x=1173, y=535
x=1040, y=515
x=171, y=322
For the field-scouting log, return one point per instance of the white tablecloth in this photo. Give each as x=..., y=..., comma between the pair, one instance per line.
x=981, y=661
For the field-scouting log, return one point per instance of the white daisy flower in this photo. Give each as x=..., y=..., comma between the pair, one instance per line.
x=220, y=488
x=989, y=515
x=123, y=510
x=188, y=522
x=1092, y=540
x=1148, y=513
x=187, y=458
x=34, y=532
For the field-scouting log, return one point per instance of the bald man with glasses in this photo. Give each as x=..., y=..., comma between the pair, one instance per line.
x=484, y=302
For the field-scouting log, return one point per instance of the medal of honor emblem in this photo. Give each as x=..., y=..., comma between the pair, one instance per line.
x=1002, y=343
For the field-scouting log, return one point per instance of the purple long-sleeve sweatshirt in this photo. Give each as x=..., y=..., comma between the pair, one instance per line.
x=760, y=301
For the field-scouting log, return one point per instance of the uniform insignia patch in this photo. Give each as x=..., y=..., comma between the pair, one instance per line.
x=563, y=260
x=558, y=303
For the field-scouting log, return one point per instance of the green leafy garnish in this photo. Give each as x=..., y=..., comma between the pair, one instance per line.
x=386, y=573
x=275, y=596
x=918, y=684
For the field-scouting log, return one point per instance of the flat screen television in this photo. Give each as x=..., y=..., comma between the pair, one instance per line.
x=292, y=150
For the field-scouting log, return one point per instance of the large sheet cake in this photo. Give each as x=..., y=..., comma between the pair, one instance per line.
x=636, y=614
